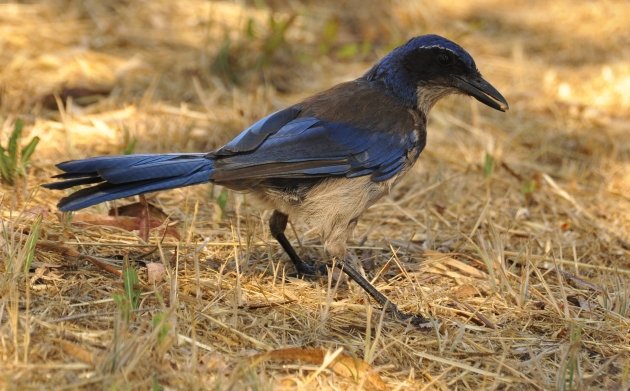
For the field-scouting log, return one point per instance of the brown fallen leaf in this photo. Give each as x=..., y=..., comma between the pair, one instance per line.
x=155, y=272
x=76, y=351
x=123, y=222
x=464, y=291
x=136, y=208
x=144, y=211
x=343, y=365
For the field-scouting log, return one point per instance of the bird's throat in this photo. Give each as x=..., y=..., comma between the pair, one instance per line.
x=427, y=96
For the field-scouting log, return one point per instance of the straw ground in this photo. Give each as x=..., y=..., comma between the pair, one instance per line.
x=513, y=230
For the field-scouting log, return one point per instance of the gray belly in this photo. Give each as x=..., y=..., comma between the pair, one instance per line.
x=331, y=205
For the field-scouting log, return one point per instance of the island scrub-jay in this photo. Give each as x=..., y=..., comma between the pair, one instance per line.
x=324, y=160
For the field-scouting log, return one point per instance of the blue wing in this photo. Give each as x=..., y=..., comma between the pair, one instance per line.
x=285, y=145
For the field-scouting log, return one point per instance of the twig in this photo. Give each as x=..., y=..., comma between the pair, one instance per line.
x=73, y=254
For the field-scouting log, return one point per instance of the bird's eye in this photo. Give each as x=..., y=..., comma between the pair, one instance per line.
x=444, y=59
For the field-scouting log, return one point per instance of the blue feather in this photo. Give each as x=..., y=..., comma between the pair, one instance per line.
x=124, y=176
x=107, y=192
x=307, y=147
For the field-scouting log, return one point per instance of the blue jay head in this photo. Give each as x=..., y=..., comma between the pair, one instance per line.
x=429, y=67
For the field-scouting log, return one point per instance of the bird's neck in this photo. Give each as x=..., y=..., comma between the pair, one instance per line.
x=394, y=83
x=427, y=97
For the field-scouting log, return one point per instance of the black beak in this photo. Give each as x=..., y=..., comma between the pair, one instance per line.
x=481, y=90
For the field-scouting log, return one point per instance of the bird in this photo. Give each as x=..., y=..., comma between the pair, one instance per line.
x=324, y=160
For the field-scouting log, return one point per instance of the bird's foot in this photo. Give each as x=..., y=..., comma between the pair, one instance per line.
x=310, y=270
x=417, y=321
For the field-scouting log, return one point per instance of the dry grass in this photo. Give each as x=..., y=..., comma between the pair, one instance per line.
x=525, y=262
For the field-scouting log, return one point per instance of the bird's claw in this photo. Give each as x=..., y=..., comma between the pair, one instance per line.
x=311, y=270
x=417, y=321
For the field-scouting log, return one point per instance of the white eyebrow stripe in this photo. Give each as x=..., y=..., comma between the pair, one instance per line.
x=439, y=47
x=433, y=46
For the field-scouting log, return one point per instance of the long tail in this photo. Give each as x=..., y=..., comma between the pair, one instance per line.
x=124, y=176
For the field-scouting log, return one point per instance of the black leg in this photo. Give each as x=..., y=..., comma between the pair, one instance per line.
x=380, y=298
x=277, y=225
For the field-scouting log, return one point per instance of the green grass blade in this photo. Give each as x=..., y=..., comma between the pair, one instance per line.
x=28, y=150
x=4, y=166
x=13, y=141
x=131, y=284
x=488, y=165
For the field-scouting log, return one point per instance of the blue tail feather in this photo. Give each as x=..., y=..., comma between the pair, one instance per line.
x=125, y=176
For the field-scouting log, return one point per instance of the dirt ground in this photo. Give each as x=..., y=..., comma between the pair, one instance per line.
x=512, y=232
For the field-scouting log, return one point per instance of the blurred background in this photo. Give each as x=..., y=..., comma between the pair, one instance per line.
x=550, y=178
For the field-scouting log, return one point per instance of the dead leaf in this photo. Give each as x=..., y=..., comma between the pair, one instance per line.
x=155, y=272
x=464, y=291
x=342, y=365
x=77, y=351
x=136, y=208
x=123, y=222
